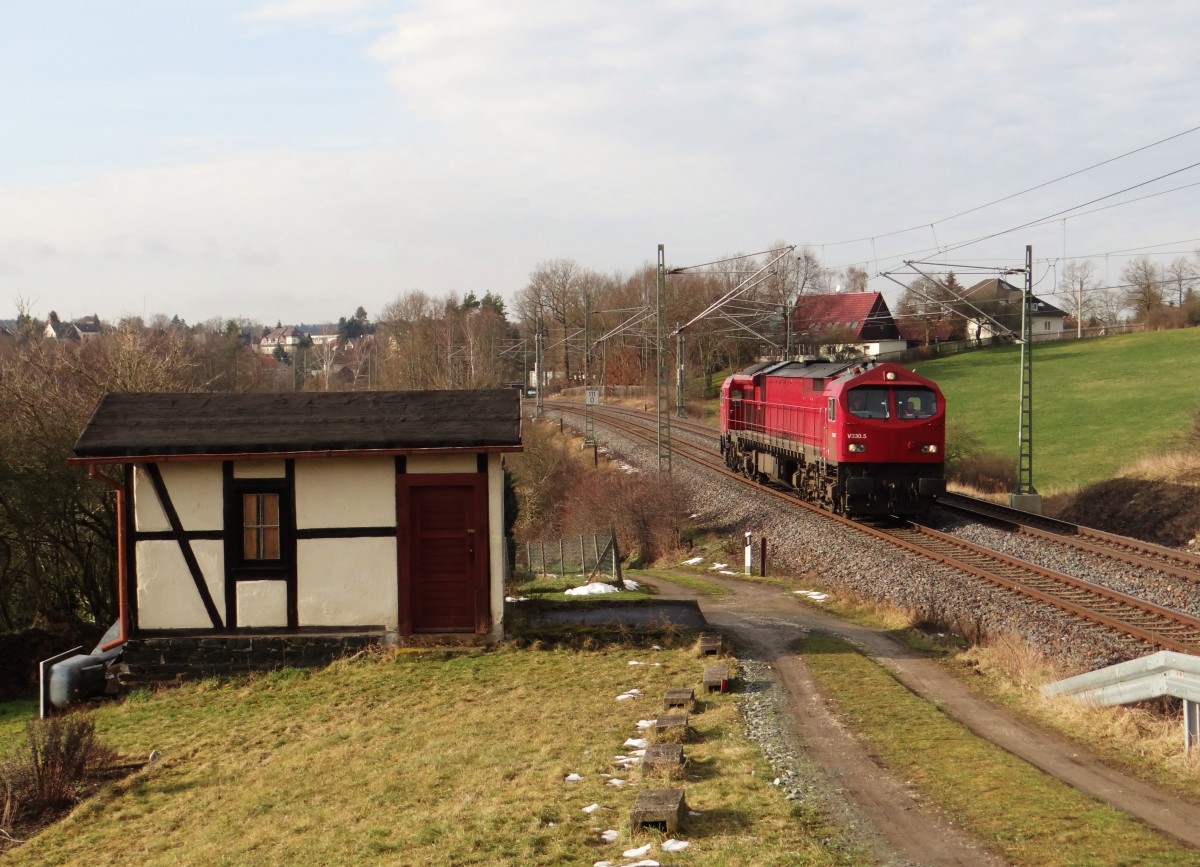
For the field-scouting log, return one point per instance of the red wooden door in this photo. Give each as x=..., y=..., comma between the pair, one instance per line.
x=444, y=529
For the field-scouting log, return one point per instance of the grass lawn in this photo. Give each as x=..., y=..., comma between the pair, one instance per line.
x=1023, y=814
x=1098, y=404
x=420, y=759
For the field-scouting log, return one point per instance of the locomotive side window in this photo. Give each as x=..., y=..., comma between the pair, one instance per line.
x=916, y=402
x=868, y=402
x=832, y=409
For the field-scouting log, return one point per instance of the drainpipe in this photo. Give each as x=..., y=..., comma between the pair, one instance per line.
x=122, y=602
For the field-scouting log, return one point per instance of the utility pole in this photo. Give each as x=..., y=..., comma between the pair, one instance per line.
x=1078, y=309
x=589, y=422
x=664, y=407
x=538, y=372
x=787, y=343
x=1026, y=496
x=680, y=409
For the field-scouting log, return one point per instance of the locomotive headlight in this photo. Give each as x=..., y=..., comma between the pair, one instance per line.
x=856, y=448
x=930, y=448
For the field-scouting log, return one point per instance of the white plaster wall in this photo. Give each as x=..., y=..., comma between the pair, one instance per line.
x=496, y=537
x=440, y=464
x=195, y=490
x=347, y=582
x=166, y=595
x=147, y=511
x=262, y=603
x=346, y=492
x=260, y=469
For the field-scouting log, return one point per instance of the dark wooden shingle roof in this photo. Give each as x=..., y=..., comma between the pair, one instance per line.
x=132, y=425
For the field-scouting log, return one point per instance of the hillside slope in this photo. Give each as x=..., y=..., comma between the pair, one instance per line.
x=1099, y=405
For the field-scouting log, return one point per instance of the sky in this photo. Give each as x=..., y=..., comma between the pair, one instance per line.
x=291, y=160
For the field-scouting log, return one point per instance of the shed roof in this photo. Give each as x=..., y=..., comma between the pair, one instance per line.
x=142, y=425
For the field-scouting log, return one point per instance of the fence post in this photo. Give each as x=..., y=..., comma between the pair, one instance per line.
x=542, y=545
x=582, y=556
x=616, y=555
x=562, y=566
x=762, y=556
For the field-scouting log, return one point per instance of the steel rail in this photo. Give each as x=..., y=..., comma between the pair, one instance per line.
x=1147, y=555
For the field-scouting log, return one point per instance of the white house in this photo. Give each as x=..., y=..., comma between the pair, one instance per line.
x=996, y=312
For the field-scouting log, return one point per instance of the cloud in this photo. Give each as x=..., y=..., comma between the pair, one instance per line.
x=312, y=10
x=524, y=131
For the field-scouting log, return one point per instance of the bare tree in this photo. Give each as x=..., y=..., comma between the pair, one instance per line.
x=1109, y=305
x=553, y=296
x=1143, y=290
x=1077, y=287
x=1180, y=277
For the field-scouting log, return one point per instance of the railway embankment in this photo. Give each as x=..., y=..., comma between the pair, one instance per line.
x=1163, y=512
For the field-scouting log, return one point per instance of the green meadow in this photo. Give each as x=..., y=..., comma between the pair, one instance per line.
x=1098, y=405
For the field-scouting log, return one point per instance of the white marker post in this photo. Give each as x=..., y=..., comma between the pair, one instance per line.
x=749, y=550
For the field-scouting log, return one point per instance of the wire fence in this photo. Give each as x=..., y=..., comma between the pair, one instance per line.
x=591, y=555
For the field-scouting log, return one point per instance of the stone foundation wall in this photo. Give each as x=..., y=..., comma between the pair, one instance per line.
x=157, y=660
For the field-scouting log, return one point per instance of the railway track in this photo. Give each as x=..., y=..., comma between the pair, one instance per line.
x=1168, y=561
x=1138, y=619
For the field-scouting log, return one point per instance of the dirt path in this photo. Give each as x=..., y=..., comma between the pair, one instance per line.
x=767, y=621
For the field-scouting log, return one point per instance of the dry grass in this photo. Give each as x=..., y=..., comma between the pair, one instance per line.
x=415, y=759
x=1146, y=739
x=1182, y=468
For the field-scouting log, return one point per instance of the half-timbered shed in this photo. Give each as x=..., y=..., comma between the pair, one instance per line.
x=258, y=530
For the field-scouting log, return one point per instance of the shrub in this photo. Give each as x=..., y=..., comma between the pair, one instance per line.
x=988, y=472
x=648, y=510
x=63, y=755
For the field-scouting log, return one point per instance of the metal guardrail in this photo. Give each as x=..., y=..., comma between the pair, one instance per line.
x=1165, y=673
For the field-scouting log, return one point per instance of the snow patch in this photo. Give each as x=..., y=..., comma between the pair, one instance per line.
x=596, y=588
x=814, y=595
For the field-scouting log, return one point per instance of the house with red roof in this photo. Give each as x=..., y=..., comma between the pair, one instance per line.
x=845, y=325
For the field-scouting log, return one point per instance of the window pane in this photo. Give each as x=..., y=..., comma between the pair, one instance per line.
x=270, y=509
x=260, y=527
x=916, y=402
x=270, y=543
x=868, y=402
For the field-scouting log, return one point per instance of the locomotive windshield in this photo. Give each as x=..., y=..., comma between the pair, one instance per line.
x=868, y=402
x=875, y=403
x=916, y=402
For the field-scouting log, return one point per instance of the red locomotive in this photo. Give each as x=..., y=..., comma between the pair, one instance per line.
x=859, y=438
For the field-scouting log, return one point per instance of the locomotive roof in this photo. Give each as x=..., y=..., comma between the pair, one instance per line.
x=128, y=425
x=818, y=369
